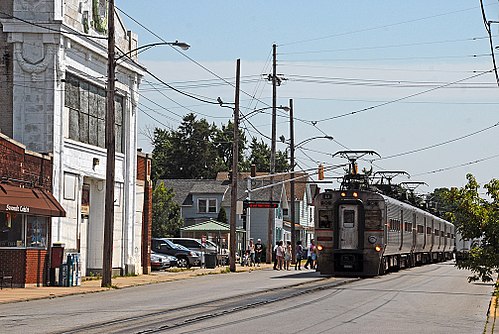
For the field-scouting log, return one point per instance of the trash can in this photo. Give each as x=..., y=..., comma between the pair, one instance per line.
x=210, y=261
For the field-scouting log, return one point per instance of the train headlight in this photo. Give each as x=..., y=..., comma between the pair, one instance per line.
x=378, y=248
x=319, y=247
x=355, y=194
x=343, y=194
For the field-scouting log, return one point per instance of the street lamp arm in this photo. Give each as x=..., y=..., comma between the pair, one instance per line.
x=309, y=140
x=182, y=45
x=285, y=108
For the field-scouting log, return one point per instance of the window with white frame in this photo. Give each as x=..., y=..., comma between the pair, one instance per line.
x=207, y=205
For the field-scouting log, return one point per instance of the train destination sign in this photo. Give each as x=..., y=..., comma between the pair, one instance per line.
x=261, y=204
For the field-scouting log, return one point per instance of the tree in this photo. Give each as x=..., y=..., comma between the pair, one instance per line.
x=222, y=216
x=166, y=219
x=478, y=219
x=188, y=153
x=260, y=156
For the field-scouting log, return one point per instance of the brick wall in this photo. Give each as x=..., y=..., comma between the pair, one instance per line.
x=144, y=174
x=17, y=163
x=13, y=262
x=36, y=266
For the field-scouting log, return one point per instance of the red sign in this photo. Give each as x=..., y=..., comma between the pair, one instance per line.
x=263, y=205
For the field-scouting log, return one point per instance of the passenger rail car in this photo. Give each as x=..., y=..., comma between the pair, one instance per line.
x=365, y=233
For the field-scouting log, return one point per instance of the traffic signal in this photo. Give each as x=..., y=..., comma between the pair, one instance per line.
x=321, y=172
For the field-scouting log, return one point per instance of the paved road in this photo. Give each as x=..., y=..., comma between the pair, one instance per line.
x=430, y=299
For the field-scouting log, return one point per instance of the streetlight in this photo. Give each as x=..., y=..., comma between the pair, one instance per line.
x=292, y=174
x=107, y=257
x=184, y=46
x=271, y=217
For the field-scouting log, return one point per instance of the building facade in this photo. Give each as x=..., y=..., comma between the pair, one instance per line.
x=53, y=74
x=26, y=208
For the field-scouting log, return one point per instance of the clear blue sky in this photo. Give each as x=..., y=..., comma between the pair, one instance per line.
x=378, y=70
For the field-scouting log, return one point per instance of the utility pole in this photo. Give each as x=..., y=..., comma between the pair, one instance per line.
x=107, y=256
x=235, y=174
x=271, y=217
x=292, y=175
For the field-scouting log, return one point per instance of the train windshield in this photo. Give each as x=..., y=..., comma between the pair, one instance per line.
x=348, y=218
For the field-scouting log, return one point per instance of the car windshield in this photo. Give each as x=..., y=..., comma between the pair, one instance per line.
x=168, y=243
x=177, y=246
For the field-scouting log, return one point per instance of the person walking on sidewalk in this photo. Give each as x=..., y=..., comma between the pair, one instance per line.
x=311, y=255
x=288, y=252
x=251, y=248
x=258, y=252
x=274, y=254
x=299, y=254
x=279, y=253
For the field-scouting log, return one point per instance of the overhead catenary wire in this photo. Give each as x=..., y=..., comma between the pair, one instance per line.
x=439, y=170
x=402, y=98
x=376, y=27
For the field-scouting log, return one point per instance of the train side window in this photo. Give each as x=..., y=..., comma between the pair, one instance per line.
x=325, y=218
x=428, y=230
x=420, y=229
x=348, y=218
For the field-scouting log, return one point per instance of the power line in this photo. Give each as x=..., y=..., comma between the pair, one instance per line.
x=377, y=27
x=457, y=166
x=436, y=145
x=384, y=46
x=400, y=99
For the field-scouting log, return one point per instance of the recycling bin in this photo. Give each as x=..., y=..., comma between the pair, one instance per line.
x=210, y=261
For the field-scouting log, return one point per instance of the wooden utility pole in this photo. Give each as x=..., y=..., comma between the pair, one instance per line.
x=270, y=231
x=107, y=256
x=292, y=175
x=235, y=173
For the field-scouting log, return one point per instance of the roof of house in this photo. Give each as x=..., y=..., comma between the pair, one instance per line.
x=300, y=181
x=210, y=225
x=184, y=188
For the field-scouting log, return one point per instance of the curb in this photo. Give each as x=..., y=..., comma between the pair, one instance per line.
x=491, y=316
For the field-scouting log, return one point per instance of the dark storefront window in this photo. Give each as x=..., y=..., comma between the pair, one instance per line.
x=87, y=113
x=18, y=230
x=36, y=232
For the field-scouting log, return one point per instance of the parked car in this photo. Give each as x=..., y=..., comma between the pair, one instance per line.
x=162, y=261
x=185, y=257
x=195, y=245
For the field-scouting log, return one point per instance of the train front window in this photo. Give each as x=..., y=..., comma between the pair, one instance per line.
x=325, y=218
x=348, y=218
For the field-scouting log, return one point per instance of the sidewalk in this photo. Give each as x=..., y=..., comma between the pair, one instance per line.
x=8, y=295
x=492, y=315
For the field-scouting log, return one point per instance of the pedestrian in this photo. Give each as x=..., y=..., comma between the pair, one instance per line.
x=279, y=253
x=311, y=255
x=274, y=254
x=299, y=254
x=288, y=251
x=258, y=252
x=251, y=248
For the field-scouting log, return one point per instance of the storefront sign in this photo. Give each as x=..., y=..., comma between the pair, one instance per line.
x=17, y=208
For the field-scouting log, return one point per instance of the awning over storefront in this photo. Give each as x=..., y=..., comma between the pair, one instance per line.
x=29, y=201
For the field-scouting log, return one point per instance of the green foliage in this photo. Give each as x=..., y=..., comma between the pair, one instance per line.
x=222, y=216
x=198, y=150
x=260, y=156
x=478, y=219
x=166, y=219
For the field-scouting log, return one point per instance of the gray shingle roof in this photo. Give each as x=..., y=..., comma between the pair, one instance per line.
x=184, y=188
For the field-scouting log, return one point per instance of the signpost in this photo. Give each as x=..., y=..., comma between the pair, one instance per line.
x=261, y=204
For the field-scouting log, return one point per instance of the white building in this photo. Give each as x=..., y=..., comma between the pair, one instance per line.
x=53, y=80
